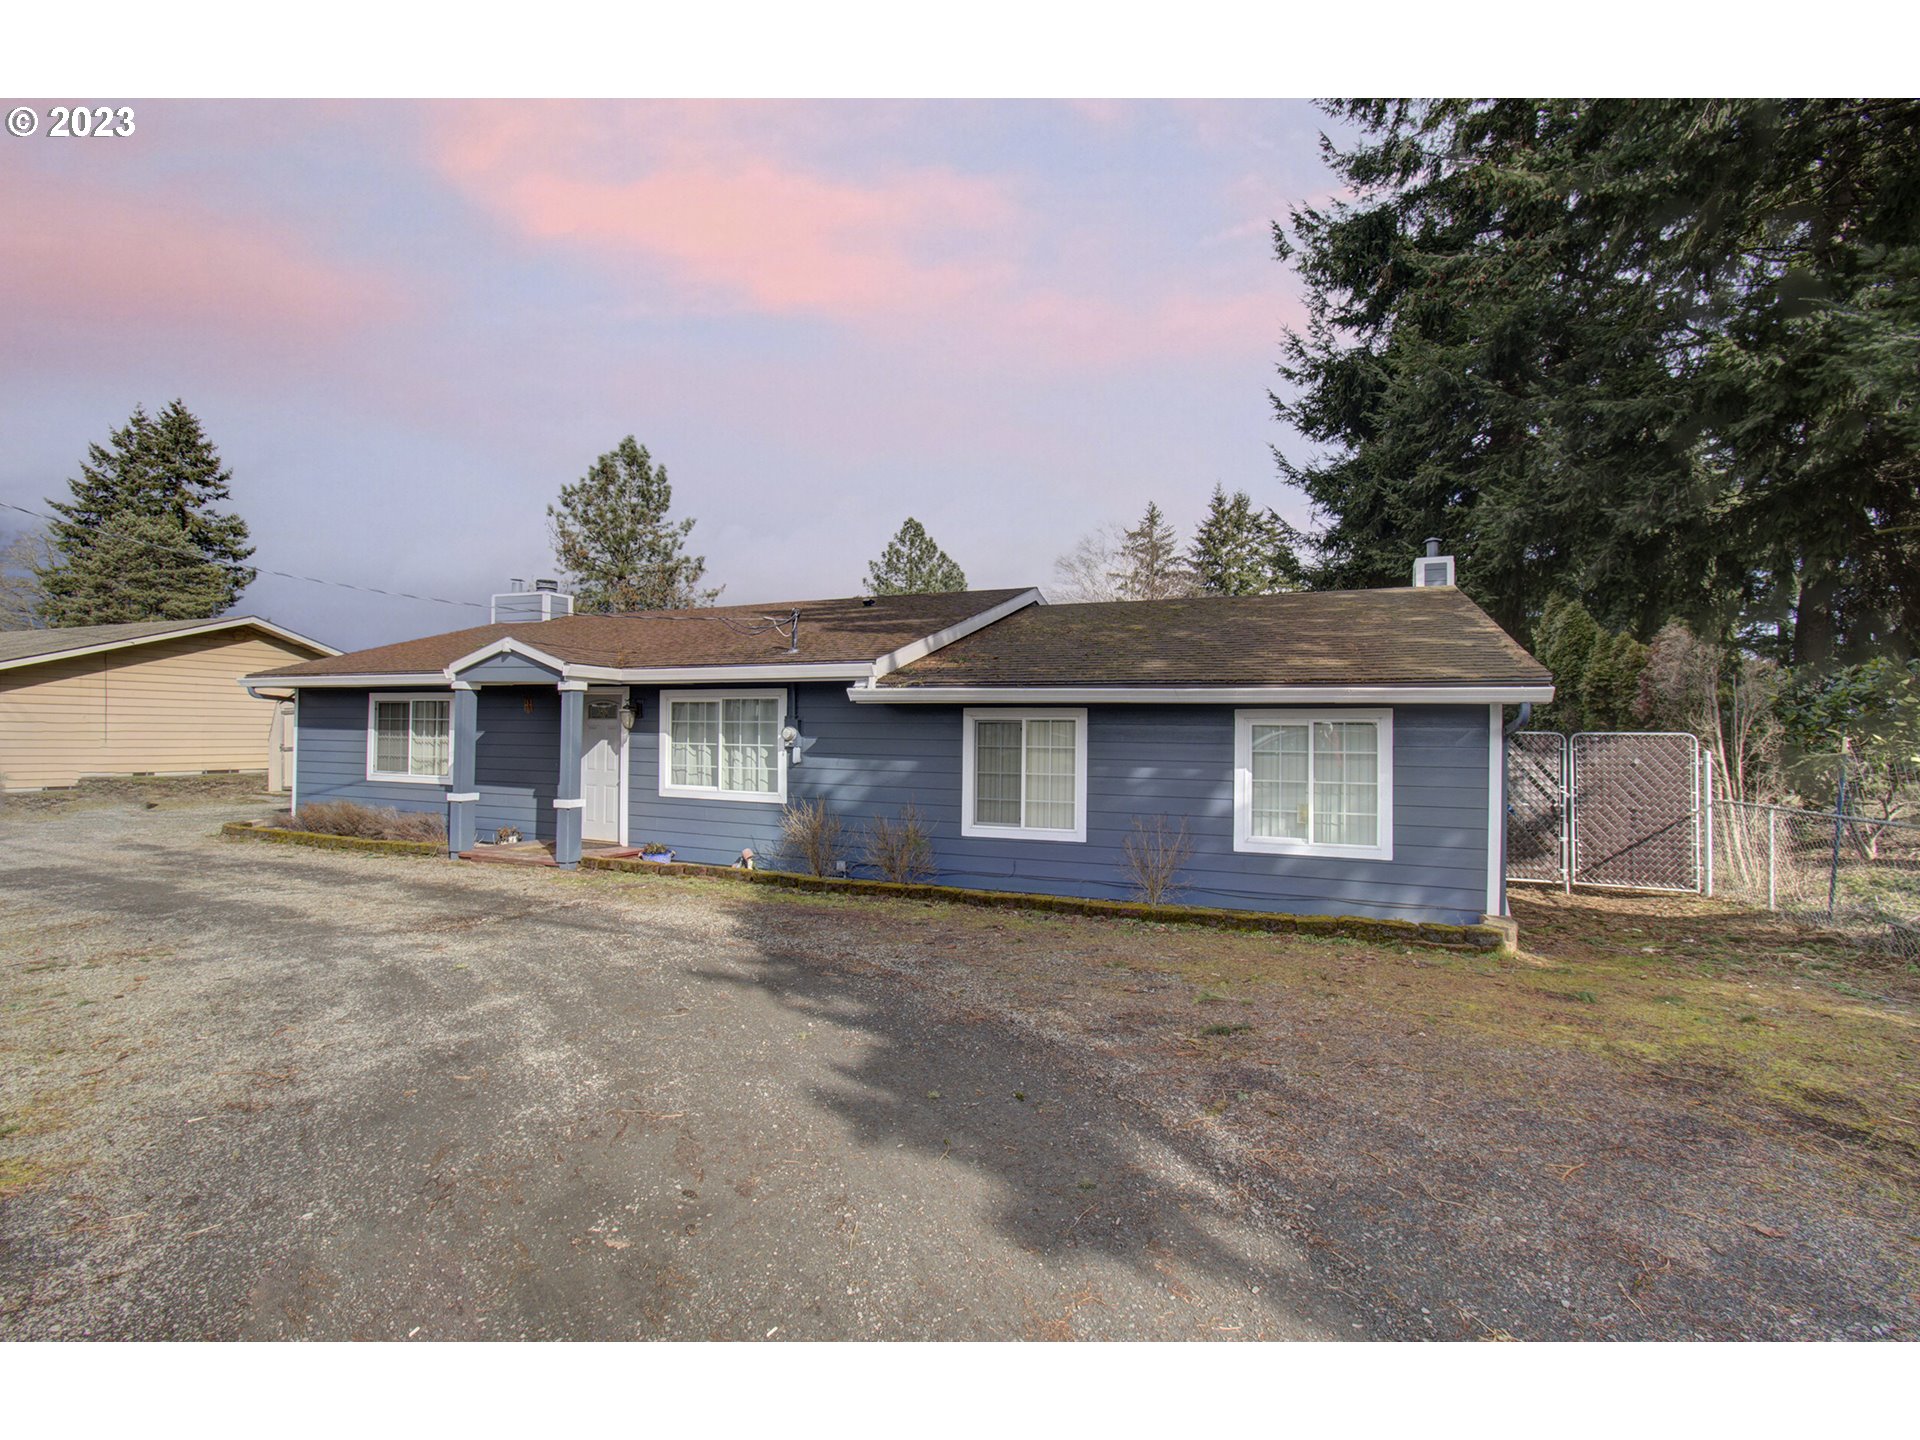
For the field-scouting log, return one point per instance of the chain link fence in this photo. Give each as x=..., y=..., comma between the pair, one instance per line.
x=1857, y=877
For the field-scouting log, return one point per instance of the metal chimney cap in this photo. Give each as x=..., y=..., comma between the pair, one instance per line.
x=546, y=585
x=1433, y=545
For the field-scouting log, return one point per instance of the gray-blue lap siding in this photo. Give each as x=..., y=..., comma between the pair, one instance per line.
x=516, y=763
x=1172, y=760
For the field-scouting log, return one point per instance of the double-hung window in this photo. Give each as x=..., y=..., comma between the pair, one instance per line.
x=723, y=745
x=1024, y=774
x=410, y=737
x=1314, y=782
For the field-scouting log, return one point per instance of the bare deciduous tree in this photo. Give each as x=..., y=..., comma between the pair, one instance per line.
x=1727, y=699
x=1085, y=573
x=22, y=601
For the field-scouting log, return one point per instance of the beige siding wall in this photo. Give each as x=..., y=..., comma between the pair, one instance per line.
x=167, y=707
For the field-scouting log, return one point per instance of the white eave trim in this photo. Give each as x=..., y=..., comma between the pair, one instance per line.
x=1199, y=695
x=236, y=622
x=940, y=639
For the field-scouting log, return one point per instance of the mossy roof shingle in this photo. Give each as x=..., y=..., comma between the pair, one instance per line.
x=1430, y=636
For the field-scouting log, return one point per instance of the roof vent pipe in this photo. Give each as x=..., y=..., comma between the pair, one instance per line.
x=1433, y=544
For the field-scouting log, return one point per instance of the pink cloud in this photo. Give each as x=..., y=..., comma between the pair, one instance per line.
x=775, y=240
x=705, y=208
x=73, y=256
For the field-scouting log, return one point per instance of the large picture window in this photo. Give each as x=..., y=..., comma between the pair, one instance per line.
x=723, y=746
x=1314, y=782
x=1024, y=774
x=410, y=737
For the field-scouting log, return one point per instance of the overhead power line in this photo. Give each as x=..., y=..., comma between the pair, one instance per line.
x=787, y=623
x=280, y=574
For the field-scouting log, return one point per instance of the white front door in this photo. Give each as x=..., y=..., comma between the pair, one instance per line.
x=600, y=747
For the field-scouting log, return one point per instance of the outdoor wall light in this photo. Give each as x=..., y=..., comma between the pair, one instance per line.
x=629, y=712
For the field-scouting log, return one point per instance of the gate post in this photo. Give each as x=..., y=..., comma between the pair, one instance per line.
x=1706, y=765
x=1566, y=814
x=1772, y=893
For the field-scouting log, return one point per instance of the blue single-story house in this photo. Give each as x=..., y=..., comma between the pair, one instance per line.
x=1332, y=753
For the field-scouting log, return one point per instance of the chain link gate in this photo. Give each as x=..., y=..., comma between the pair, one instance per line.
x=1609, y=809
x=1537, y=762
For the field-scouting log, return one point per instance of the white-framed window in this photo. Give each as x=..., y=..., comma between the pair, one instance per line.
x=723, y=745
x=1023, y=774
x=1313, y=782
x=410, y=738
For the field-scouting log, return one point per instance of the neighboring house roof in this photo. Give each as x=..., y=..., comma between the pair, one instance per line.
x=1431, y=636
x=33, y=647
x=847, y=632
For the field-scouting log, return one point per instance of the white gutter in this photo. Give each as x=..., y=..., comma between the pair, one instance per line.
x=1197, y=694
x=658, y=675
x=428, y=678
x=670, y=674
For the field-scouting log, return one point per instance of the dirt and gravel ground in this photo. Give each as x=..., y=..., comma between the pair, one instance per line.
x=252, y=1090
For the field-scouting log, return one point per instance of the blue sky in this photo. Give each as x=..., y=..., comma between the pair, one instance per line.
x=406, y=325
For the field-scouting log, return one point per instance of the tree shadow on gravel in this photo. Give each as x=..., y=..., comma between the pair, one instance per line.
x=1082, y=1172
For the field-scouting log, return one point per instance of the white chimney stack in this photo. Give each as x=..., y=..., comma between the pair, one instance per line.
x=1433, y=568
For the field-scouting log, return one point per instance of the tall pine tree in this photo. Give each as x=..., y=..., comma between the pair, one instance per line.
x=1150, y=564
x=140, y=537
x=912, y=564
x=1239, y=550
x=612, y=536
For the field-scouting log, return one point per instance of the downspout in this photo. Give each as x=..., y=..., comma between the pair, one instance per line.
x=1512, y=728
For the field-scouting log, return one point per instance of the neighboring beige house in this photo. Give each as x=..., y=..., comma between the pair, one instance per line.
x=152, y=698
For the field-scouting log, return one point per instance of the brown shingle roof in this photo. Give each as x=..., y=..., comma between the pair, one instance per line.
x=1433, y=636
x=831, y=631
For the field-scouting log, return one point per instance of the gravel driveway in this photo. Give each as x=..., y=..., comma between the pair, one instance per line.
x=251, y=1090
x=267, y=1092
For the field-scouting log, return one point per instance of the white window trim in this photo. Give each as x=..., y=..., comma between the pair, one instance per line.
x=387, y=777
x=1245, y=841
x=777, y=796
x=971, y=827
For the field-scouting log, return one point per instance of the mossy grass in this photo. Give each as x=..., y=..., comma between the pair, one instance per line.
x=1464, y=937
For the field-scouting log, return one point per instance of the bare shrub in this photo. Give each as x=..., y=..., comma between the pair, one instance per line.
x=1155, y=855
x=900, y=849
x=812, y=837
x=369, y=822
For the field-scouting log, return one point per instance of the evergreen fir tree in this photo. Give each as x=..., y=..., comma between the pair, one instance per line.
x=152, y=469
x=1151, y=565
x=1663, y=355
x=612, y=536
x=1242, y=551
x=140, y=567
x=912, y=564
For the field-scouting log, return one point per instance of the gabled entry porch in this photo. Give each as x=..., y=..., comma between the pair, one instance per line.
x=557, y=757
